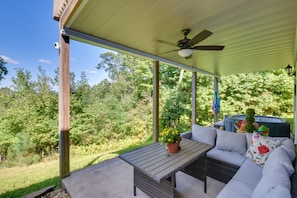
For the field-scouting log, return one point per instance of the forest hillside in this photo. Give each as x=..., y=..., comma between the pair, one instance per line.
x=120, y=107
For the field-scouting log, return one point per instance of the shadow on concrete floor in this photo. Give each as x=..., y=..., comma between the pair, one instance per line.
x=114, y=178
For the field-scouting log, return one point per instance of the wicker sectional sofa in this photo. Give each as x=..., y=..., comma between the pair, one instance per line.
x=234, y=162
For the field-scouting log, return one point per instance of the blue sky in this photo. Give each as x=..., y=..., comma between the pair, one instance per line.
x=27, y=36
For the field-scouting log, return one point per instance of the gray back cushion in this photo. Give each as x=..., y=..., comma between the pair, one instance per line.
x=279, y=157
x=289, y=146
x=248, y=139
x=203, y=134
x=279, y=191
x=268, y=182
x=231, y=141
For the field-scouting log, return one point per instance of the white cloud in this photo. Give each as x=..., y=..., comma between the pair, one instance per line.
x=45, y=61
x=72, y=59
x=9, y=60
x=91, y=71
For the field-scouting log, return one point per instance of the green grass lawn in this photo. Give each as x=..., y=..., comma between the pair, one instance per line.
x=20, y=181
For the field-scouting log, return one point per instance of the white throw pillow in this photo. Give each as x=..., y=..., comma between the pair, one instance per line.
x=260, y=148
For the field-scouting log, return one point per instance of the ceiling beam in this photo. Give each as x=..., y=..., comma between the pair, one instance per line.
x=86, y=38
x=67, y=11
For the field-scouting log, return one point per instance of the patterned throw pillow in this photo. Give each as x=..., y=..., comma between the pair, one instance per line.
x=260, y=148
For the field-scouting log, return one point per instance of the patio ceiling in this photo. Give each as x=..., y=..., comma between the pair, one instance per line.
x=257, y=35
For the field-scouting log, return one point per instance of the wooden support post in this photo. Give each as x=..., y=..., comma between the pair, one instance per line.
x=295, y=111
x=194, y=97
x=295, y=91
x=156, y=96
x=64, y=107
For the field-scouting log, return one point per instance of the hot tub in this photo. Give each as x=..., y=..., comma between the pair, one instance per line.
x=278, y=127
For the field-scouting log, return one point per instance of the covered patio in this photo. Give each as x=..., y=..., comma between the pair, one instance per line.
x=257, y=36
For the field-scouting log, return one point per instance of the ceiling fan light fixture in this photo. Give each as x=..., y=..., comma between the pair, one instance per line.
x=185, y=52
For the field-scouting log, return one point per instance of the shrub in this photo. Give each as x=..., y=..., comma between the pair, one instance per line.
x=250, y=119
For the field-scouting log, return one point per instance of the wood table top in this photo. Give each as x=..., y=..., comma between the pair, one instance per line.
x=153, y=160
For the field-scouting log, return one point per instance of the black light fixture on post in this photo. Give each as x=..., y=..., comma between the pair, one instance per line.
x=290, y=71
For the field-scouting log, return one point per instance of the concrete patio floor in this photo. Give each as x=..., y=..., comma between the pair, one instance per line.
x=114, y=178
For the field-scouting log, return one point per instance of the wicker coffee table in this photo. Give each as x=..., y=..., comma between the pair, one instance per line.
x=154, y=170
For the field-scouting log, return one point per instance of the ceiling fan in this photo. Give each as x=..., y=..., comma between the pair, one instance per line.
x=186, y=45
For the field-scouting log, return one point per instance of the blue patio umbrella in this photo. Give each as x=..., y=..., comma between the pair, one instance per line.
x=216, y=103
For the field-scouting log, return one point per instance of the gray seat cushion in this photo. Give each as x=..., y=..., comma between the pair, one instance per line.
x=236, y=189
x=234, y=158
x=249, y=173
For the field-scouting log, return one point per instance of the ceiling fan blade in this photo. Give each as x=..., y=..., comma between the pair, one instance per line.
x=166, y=42
x=169, y=51
x=208, y=47
x=200, y=37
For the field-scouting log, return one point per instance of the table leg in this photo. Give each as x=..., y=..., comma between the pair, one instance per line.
x=205, y=173
x=134, y=186
x=173, y=180
x=205, y=186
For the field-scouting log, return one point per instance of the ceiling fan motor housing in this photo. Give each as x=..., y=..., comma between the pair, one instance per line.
x=184, y=43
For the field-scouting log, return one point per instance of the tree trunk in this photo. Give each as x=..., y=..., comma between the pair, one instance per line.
x=181, y=75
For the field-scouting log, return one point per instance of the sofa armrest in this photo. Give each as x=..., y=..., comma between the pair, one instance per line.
x=294, y=185
x=186, y=135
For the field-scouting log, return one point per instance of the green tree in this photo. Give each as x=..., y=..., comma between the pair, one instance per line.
x=134, y=70
x=3, y=69
x=32, y=112
x=80, y=95
x=176, y=98
x=269, y=93
x=108, y=109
